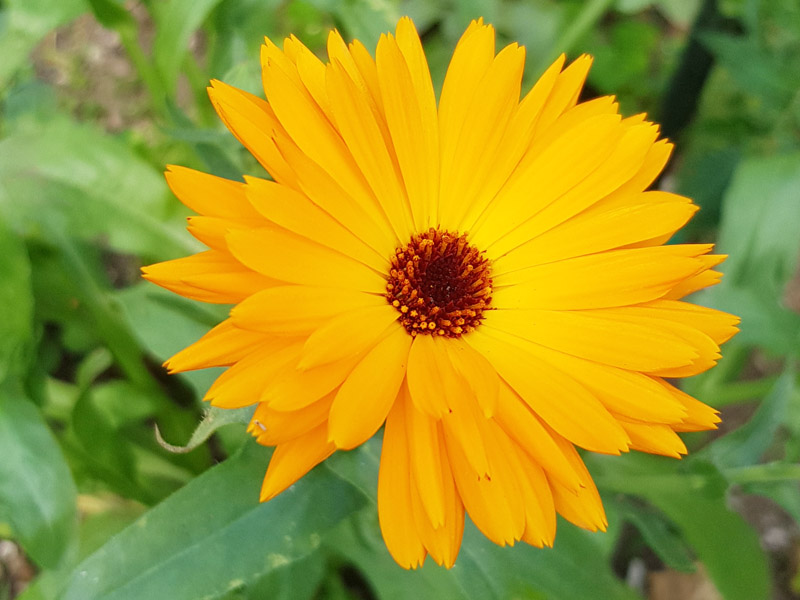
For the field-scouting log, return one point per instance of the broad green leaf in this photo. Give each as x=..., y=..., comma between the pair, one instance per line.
x=360, y=467
x=37, y=494
x=165, y=323
x=74, y=178
x=366, y=20
x=176, y=21
x=16, y=298
x=693, y=495
x=112, y=14
x=761, y=240
x=626, y=59
x=213, y=539
x=757, y=71
x=23, y=23
x=704, y=176
x=359, y=542
x=239, y=29
x=659, y=534
x=574, y=568
x=747, y=445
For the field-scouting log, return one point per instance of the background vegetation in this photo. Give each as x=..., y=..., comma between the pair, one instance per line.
x=96, y=96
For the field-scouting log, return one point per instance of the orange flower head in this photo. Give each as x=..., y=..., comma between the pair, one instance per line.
x=486, y=278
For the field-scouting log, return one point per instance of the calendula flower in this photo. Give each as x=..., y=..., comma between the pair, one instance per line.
x=486, y=277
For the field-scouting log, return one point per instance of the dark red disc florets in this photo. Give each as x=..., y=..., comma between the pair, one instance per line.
x=440, y=284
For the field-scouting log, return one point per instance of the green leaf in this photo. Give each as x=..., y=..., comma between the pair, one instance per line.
x=360, y=467
x=165, y=323
x=761, y=240
x=76, y=178
x=366, y=20
x=112, y=14
x=753, y=67
x=574, y=568
x=693, y=495
x=659, y=534
x=747, y=445
x=176, y=21
x=16, y=297
x=37, y=494
x=213, y=538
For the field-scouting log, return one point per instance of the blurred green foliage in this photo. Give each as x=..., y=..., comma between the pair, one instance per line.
x=83, y=204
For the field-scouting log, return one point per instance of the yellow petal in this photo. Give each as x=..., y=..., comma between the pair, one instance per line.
x=348, y=333
x=411, y=119
x=296, y=309
x=394, y=494
x=425, y=446
x=293, y=459
x=243, y=383
x=540, y=513
x=314, y=135
x=555, y=396
x=361, y=132
x=442, y=542
x=516, y=141
x=480, y=135
x=717, y=325
x=654, y=438
x=590, y=233
x=463, y=423
x=283, y=255
x=699, y=416
x=654, y=162
x=211, y=276
x=584, y=509
x=538, y=182
x=310, y=69
x=639, y=275
x=327, y=193
x=494, y=503
x=364, y=400
x=297, y=213
x=293, y=388
x=212, y=230
x=431, y=379
x=209, y=195
x=699, y=281
x=566, y=90
x=519, y=422
x=251, y=120
x=476, y=372
x=274, y=427
x=224, y=345
x=627, y=393
x=598, y=336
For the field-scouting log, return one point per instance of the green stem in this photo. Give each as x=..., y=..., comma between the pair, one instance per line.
x=740, y=391
x=769, y=472
x=586, y=19
x=198, y=81
x=146, y=70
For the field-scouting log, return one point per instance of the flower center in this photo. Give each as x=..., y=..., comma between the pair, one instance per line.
x=439, y=284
